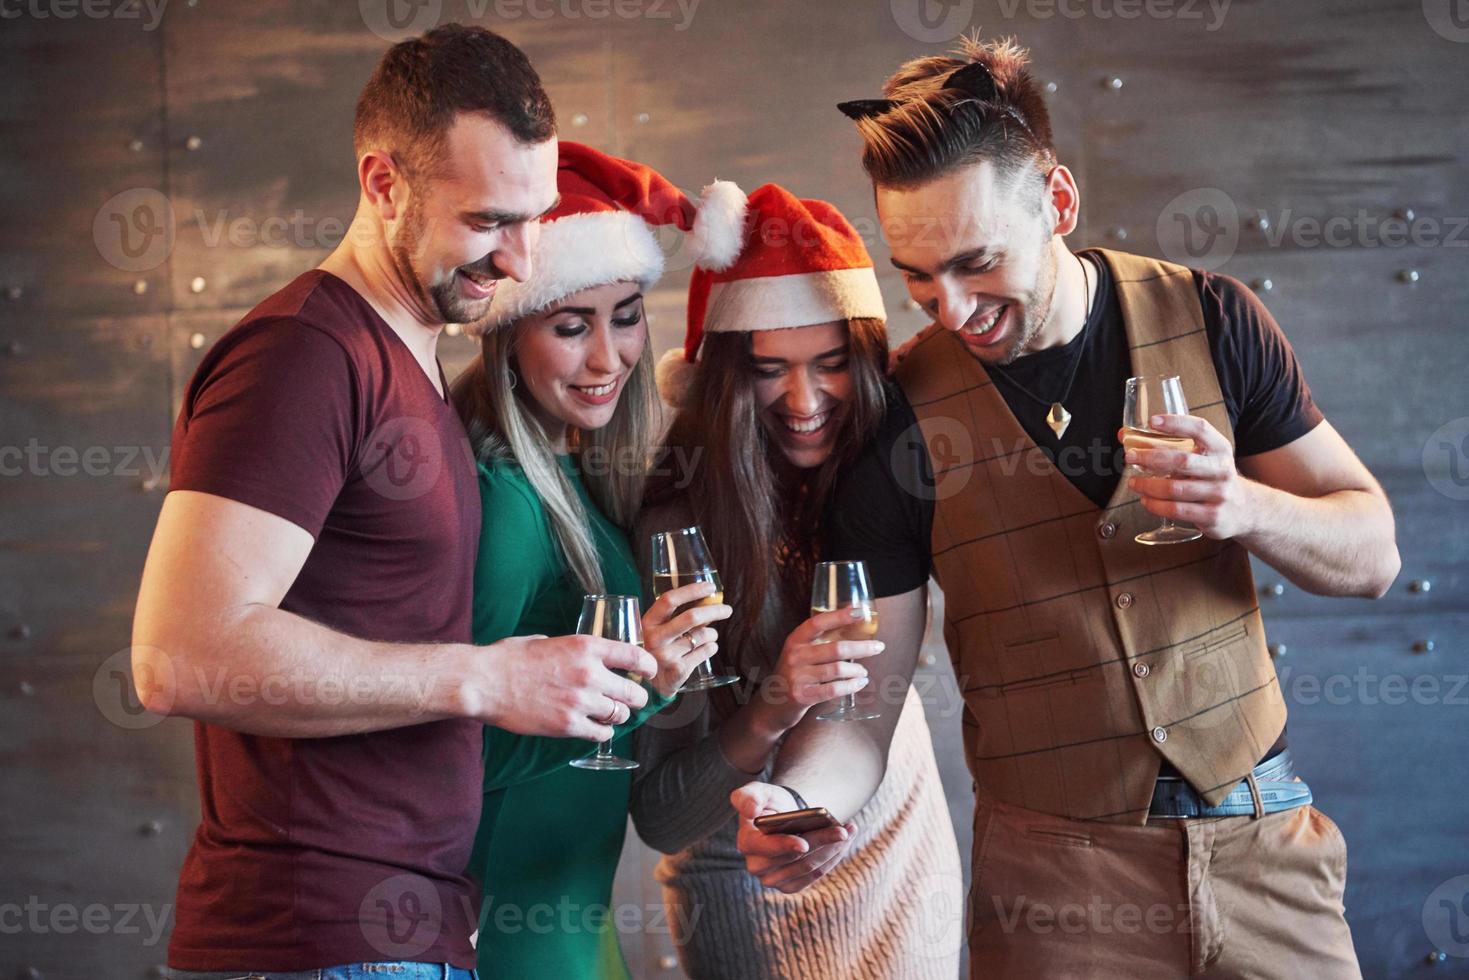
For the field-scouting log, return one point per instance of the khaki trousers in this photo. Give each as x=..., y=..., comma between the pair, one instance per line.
x=1225, y=897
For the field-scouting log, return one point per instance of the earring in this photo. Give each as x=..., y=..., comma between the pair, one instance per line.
x=514, y=378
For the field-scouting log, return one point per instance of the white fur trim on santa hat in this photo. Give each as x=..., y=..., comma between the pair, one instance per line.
x=577, y=252
x=798, y=300
x=719, y=225
x=674, y=376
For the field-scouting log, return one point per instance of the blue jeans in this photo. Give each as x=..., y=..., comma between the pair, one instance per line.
x=397, y=970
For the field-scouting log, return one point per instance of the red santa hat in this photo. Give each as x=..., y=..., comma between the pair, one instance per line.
x=802, y=264
x=599, y=233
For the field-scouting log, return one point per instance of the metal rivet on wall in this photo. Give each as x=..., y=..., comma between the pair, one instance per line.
x=31, y=973
x=140, y=287
x=1260, y=223
x=580, y=119
x=14, y=348
x=151, y=828
x=197, y=284
x=1274, y=590
x=136, y=146
x=1420, y=585
x=1262, y=285
x=13, y=293
x=1404, y=214
x=1424, y=646
x=1436, y=957
x=667, y=962
x=196, y=341
x=1408, y=276
x=911, y=304
x=149, y=484
x=1119, y=233
x=26, y=689
x=1278, y=650
x=929, y=660
x=1114, y=83
x=1051, y=87
x=20, y=631
x=193, y=143
x=642, y=118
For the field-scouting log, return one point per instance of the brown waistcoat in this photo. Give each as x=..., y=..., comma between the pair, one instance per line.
x=1082, y=655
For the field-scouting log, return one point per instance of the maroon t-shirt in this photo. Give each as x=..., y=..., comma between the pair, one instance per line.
x=322, y=851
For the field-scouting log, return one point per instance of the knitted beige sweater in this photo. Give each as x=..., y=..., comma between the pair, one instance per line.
x=893, y=909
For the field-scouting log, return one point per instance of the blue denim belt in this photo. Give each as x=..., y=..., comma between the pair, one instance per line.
x=1275, y=779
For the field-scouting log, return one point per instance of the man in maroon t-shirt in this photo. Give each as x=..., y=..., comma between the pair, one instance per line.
x=306, y=598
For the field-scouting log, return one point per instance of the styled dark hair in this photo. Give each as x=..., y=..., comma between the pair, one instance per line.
x=410, y=102
x=939, y=117
x=761, y=516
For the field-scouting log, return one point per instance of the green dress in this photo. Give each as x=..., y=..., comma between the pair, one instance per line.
x=550, y=835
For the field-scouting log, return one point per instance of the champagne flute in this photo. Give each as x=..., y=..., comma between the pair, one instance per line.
x=612, y=617
x=1147, y=397
x=682, y=558
x=840, y=584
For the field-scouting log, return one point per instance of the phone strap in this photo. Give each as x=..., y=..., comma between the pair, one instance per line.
x=800, y=800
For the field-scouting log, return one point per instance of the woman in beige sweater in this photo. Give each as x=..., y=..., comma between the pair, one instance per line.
x=788, y=384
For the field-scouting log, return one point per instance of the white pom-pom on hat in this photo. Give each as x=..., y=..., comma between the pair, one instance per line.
x=719, y=226
x=674, y=374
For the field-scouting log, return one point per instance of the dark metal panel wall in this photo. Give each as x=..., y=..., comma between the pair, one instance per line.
x=168, y=166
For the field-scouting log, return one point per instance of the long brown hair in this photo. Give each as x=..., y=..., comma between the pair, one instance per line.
x=760, y=515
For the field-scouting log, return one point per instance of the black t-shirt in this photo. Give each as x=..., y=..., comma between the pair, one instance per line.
x=875, y=517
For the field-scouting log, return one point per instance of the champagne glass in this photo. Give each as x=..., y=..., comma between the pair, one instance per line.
x=682, y=558
x=838, y=585
x=612, y=617
x=1147, y=397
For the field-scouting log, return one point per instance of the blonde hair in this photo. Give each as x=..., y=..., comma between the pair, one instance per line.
x=931, y=130
x=501, y=426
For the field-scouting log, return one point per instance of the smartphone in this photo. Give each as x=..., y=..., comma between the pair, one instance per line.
x=795, y=821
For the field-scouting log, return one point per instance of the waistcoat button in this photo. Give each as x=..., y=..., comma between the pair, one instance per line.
x=1160, y=734
x=1141, y=670
x=1124, y=600
x=1107, y=530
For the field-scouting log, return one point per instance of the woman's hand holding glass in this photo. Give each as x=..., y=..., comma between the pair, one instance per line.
x=681, y=640
x=813, y=669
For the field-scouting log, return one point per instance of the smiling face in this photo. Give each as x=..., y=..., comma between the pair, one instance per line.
x=574, y=359
x=474, y=223
x=977, y=252
x=802, y=383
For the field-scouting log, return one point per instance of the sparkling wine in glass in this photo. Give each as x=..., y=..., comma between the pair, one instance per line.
x=682, y=558
x=1147, y=397
x=842, y=585
x=612, y=617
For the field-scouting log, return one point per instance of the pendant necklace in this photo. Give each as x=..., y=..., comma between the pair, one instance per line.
x=1058, y=418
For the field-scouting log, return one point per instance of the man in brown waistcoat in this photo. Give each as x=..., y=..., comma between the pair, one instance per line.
x=1137, y=811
